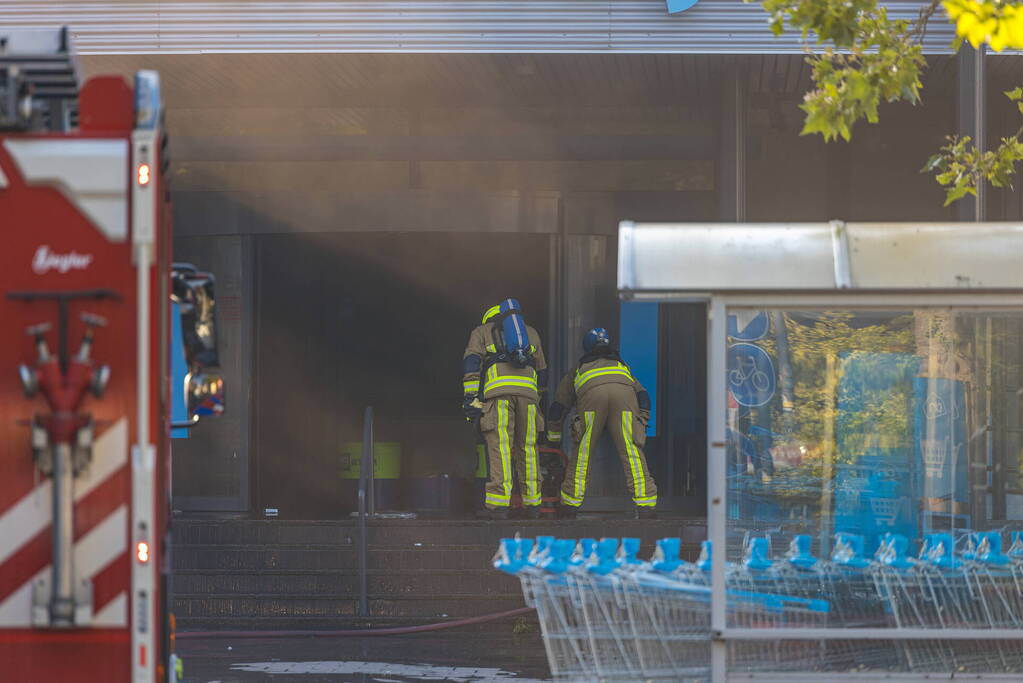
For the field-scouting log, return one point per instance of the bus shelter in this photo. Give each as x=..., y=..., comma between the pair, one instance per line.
x=864, y=441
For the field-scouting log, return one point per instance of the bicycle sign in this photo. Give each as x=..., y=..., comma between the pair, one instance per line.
x=751, y=376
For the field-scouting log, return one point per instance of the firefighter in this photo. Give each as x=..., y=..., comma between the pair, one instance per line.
x=605, y=395
x=502, y=380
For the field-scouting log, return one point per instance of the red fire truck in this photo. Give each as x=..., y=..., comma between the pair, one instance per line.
x=87, y=291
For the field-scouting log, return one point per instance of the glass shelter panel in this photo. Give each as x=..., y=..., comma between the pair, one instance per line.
x=873, y=480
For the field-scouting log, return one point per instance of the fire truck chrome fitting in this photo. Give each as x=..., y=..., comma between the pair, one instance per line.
x=100, y=379
x=29, y=380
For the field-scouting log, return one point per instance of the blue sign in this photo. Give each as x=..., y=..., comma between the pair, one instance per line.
x=874, y=479
x=750, y=375
x=179, y=374
x=752, y=328
x=940, y=439
x=639, y=336
x=147, y=100
x=676, y=6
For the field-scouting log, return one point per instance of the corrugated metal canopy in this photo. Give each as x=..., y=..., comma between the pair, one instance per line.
x=730, y=257
x=468, y=80
x=200, y=26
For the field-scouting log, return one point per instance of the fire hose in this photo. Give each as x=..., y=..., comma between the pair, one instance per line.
x=356, y=632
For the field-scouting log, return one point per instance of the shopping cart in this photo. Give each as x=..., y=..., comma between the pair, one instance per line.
x=607, y=616
x=941, y=590
x=844, y=582
x=615, y=618
x=885, y=510
x=541, y=568
x=935, y=455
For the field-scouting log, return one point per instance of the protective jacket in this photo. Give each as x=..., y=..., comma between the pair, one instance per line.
x=606, y=396
x=485, y=376
x=510, y=420
x=594, y=370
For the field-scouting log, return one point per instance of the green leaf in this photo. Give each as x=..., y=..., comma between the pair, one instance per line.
x=958, y=192
x=933, y=164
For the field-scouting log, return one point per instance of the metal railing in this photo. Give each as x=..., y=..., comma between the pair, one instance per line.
x=367, y=505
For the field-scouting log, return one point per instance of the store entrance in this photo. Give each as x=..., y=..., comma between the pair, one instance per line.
x=346, y=320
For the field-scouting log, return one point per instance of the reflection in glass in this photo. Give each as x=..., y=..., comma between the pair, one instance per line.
x=874, y=421
x=874, y=462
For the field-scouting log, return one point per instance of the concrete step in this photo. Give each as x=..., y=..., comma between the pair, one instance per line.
x=333, y=558
x=273, y=574
x=525, y=622
x=425, y=607
x=468, y=582
x=325, y=558
x=425, y=532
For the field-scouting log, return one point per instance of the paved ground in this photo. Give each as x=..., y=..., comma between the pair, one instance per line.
x=459, y=656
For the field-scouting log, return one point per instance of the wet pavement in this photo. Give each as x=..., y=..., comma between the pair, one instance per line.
x=458, y=656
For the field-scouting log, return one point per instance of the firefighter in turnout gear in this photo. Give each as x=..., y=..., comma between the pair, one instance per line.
x=503, y=374
x=605, y=395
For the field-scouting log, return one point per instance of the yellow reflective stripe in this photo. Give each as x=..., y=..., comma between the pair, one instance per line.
x=497, y=499
x=495, y=381
x=491, y=348
x=649, y=501
x=569, y=500
x=635, y=464
x=491, y=312
x=532, y=494
x=504, y=445
x=498, y=385
x=471, y=386
x=582, y=378
x=512, y=379
x=582, y=463
x=554, y=436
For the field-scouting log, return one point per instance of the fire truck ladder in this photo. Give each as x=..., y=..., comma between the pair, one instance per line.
x=38, y=81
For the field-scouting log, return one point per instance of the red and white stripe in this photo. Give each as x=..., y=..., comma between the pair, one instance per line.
x=101, y=537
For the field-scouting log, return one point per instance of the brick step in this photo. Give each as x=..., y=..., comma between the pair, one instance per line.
x=426, y=532
x=426, y=607
x=346, y=582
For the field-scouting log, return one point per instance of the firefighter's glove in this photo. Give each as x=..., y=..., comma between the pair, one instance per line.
x=471, y=408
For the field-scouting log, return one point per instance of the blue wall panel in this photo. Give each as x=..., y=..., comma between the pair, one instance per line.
x=639, y=339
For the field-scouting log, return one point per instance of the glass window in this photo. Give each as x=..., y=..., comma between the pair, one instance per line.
x=874, y=462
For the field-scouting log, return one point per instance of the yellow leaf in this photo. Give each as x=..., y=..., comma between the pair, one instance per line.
x=1014, y=30
x=999, y=40
x=967, y=25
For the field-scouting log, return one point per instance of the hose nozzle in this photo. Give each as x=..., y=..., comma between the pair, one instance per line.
x=39, y=333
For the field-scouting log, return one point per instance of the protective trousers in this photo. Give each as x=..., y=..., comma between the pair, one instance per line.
x=613, y=406
x=510, y=425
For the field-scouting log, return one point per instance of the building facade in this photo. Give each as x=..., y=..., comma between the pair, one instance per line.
x=367, y=178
